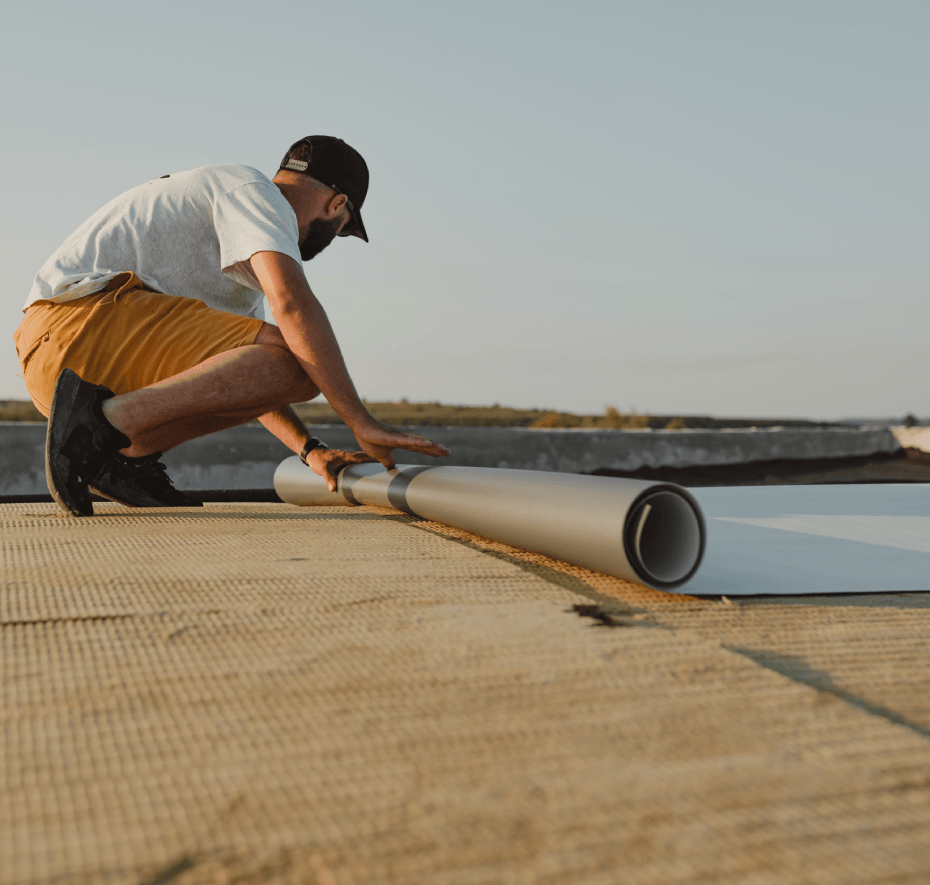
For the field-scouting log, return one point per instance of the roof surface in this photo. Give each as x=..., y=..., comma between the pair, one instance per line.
x=258, y=692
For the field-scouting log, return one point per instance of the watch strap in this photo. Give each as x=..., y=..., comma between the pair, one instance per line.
x=311, y=444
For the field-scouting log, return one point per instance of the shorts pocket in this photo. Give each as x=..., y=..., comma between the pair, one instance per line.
x=26, y=353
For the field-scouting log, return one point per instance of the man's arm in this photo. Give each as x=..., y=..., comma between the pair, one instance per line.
x=287, y=427
x=311, y=340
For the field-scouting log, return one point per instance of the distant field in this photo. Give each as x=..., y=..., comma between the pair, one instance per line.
x=19, y=410
x=434, y=414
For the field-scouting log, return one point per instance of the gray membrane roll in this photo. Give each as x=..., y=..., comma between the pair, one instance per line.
x=651, y=533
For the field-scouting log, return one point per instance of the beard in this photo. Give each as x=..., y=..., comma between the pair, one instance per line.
x=316, y=236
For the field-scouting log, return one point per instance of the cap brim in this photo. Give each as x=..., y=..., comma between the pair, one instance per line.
x=361, y=233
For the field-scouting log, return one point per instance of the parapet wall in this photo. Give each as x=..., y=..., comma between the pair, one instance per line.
x=246, y=457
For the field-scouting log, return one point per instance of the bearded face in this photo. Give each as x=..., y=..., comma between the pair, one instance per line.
x=316, y=236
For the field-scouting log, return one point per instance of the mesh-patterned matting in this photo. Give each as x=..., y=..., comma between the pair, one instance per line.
x=262, y=693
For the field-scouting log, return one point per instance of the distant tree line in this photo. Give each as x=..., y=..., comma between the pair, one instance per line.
x=436, y=414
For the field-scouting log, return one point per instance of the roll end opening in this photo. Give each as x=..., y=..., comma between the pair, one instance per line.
x=665, y=538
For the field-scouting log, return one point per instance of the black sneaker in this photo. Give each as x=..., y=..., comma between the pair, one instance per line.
x=79, y=441
x=139, y=482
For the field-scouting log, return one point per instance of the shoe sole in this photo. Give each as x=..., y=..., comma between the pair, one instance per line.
x=155, y=504
x=66, y=389
x=100, y=494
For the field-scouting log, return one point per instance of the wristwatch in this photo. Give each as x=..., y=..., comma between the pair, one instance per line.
x=312, y=444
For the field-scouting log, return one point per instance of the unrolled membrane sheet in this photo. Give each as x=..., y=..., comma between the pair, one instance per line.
x=791, y=539
x=648, y=532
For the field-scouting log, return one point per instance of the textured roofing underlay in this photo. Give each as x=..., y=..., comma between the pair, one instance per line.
x=262, y=693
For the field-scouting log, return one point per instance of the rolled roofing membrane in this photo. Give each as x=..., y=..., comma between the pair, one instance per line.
x=758, y=540
x=652, y=533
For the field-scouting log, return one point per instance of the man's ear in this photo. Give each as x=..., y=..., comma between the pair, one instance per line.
x=335, y=204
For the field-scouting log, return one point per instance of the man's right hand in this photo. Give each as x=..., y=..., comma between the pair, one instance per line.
x=379, y=439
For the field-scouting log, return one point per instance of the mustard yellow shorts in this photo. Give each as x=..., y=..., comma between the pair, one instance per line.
x=124, y=337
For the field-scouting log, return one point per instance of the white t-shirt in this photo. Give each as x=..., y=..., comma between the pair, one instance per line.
x=189, y=234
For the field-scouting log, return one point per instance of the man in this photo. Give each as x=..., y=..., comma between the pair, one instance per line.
x=145, y=328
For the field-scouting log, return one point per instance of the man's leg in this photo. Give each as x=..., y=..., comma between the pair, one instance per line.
x=185, y=370
x=225, y=390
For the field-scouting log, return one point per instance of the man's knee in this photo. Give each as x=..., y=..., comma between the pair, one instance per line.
x=269, y=334
x=300, y=387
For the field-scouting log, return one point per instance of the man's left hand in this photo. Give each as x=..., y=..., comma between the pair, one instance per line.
x=328, y=462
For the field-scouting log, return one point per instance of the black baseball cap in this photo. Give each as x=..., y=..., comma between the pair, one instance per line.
x=337, y=165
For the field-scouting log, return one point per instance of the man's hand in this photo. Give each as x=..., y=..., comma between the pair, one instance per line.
x=328, y=462
x=377, y=439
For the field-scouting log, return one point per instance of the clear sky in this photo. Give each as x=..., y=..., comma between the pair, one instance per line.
x=715, y=207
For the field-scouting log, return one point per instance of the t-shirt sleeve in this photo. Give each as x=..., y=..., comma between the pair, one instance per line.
x=253, y=218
